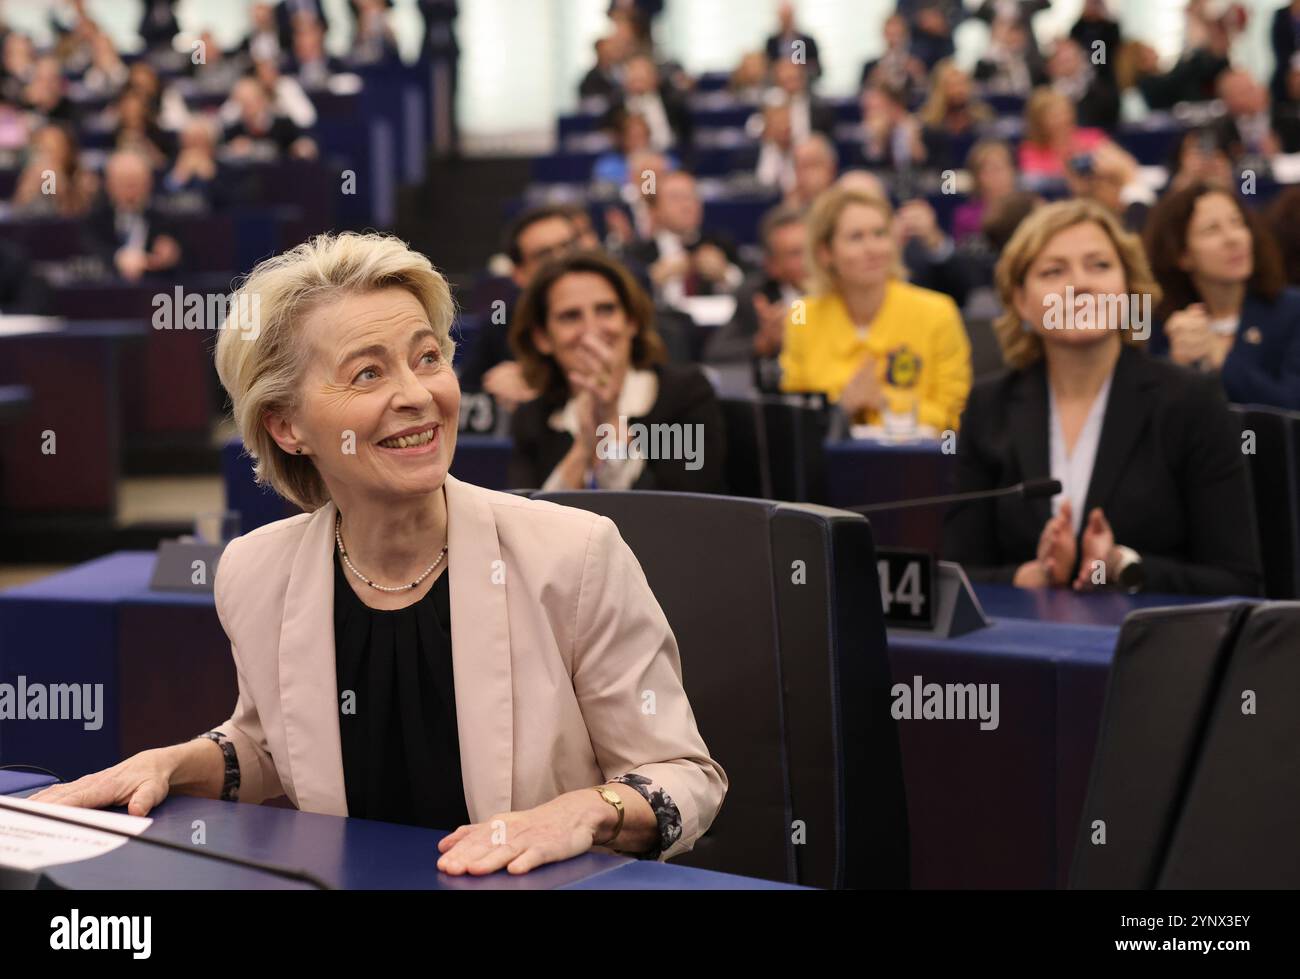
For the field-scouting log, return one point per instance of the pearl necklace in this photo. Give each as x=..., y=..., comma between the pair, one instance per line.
x=343, y=553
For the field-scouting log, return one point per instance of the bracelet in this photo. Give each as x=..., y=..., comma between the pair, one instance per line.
x=230, y=776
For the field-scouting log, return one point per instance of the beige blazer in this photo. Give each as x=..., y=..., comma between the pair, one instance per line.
x=566, y=670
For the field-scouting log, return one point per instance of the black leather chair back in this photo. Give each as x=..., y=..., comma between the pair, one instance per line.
x=1240, y=822
x=775, y=611
x=1275, y=481
x=1163, y=683
x=748, y=466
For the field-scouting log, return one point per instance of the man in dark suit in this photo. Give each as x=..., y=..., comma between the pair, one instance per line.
x=602, y=81
x=125, y=230
x=1247, y=126
x=290, y=13
x=899, y=67
x=535, y=237
x=683, y=258
x=756, y=330
x=1098, y=34
x=1285, y=37
x=1094, y=94
x=808, y=114
x=791, y=44
x=260, y=131
x=663, y=107
x=158, y=26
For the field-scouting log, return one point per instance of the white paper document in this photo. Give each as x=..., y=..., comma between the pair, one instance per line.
x=28, y=841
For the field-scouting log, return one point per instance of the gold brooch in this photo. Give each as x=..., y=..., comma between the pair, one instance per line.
x=1252, y=335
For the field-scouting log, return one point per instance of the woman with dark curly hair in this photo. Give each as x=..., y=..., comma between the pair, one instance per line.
x=1226, y=308
x=611, y=414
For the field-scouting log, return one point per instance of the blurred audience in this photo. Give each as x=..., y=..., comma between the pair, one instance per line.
x=898, y=68
x=755, y=332
x=125, y=229
x=682, y=257
x=952, y=106
x=1093, y=93
x=791, y=44
x=993, y=171
x=534, y=238
x=259, y=131
x=1053, y=135
x=1012, y=63
x=815, y=164
x=1111, y=177
x=808, y=114
x=53, y=181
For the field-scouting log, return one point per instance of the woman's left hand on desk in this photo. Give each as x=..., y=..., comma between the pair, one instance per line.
x=522, y=841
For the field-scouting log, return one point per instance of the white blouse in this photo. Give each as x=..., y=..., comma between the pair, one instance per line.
x=1075, y=470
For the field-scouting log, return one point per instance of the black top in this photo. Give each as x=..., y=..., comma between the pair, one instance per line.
x=401, y=753
x=1169, y=475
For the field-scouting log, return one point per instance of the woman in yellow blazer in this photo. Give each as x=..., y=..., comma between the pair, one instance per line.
x=415, y=648
x=864, y=330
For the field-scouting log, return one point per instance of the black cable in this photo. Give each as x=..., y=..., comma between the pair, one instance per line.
x=298, y=875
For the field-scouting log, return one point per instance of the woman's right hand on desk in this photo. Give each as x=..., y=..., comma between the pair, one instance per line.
x=143, y=780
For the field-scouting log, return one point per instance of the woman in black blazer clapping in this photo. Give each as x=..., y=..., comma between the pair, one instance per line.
x=1155, y=488
x=611, y=415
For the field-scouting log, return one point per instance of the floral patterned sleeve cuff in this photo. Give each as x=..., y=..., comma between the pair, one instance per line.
x=230, y=782
x=665, y=810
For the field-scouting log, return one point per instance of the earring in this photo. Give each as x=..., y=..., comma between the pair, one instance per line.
x=298, y=451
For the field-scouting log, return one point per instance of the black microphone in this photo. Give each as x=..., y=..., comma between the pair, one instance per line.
x=1030, y=489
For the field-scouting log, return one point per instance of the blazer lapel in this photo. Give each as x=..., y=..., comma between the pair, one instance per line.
x=1029, y=420
x=480, y=641
x=1126, y=416
x=309, y=699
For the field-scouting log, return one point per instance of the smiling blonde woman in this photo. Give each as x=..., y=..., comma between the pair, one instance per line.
x=416, y=649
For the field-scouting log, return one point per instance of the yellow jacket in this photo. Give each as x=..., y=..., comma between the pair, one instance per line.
x=917, y=331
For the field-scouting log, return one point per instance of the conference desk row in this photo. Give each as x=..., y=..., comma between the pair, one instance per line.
x=351, y=854
x=987, y=808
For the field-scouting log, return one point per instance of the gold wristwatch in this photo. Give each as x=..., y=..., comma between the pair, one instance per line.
x=612, y=797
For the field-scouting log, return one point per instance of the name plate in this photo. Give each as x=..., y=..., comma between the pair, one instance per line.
x=907, y=587
x=479, y=414
x=186, y=565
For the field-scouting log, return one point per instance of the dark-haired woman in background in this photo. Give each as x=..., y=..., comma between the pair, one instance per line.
x=1156, y=494
x=1226, y=306
x=584, y=334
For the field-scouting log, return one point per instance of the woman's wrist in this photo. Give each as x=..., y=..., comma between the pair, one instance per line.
x=196, y=767
x=603, y=817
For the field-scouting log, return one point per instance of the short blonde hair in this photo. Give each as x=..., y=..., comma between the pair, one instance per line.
x=824, y=217
x=261, y=350
x=1022, y=346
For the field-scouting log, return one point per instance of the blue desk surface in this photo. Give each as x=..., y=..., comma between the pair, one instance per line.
x=119, y=577
x=352, y=854
x=1071, y=608
x=12, y=781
